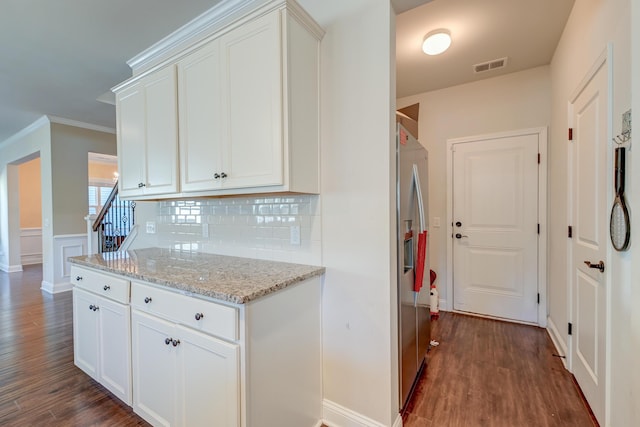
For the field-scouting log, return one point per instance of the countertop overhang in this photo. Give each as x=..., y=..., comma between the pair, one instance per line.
x=232, y=279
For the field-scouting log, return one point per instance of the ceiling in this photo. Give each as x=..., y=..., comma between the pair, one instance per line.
x=525, y=31
x=59, y=56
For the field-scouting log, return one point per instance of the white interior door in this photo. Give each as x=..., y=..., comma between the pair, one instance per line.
x=589, y=223
x=495, y=227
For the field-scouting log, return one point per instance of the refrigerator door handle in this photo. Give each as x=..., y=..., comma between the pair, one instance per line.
x=418, y=190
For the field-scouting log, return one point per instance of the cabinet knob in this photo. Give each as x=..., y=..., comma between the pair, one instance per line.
x=93, y=307
x=106, y=287
x=147, y=300
x=141, y=184
x=199, y=316
x=78, y=278
x=175, y=342
x=223, y=175
x=167, y=341
x=216, y=176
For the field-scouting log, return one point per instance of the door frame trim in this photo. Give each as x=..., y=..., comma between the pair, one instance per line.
x=541, y=133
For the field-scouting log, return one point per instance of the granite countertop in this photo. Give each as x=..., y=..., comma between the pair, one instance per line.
x=232, y=279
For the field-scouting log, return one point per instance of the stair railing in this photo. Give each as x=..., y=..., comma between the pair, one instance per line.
x=114, y=222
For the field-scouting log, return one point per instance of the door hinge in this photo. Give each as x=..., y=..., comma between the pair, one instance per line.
x=538, y=158
x=570, y=232
x=538, y=298
x=538, y=228
x=570, y=134
x=570, y=328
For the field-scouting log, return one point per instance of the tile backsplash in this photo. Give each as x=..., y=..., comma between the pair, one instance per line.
x=256, y=227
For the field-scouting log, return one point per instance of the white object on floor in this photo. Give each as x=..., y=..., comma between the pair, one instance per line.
x=434, y=343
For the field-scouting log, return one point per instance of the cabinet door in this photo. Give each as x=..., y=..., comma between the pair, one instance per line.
x=131, y=140
x=208, y=380
x=252, y=81
x=115, y=348
x=147, y=115
x=85, y=332
x=200, y=119
x=161, y=113
x=154, y=369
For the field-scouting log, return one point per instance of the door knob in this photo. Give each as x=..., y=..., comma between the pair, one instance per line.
x=599, y=266
x=460, y=236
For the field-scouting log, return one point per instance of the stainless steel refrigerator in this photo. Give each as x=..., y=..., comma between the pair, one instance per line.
x=414, y=320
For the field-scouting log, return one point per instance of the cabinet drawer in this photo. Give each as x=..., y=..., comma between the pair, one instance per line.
x=205, y=316
x=115, y=288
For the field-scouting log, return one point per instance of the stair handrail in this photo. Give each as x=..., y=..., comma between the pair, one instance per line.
x=105, y=208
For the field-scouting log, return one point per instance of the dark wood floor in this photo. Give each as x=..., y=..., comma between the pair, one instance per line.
x=484, y=373
x=491, y=373
x=39, y=384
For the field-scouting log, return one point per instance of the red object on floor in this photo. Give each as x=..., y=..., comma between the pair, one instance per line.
x=422, y=255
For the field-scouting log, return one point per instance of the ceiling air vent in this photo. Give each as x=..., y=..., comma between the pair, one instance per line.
x=490, y=65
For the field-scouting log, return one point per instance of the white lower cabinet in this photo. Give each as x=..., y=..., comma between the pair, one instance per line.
x=102, y=345
x=181, y=359
x=183, y=377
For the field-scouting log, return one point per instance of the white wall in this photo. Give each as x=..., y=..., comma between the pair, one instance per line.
x=514, y=101
x=25, y=145
x=358, y=220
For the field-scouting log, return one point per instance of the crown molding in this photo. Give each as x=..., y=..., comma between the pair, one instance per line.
x=83, y=125
x=211, y=21
x=42, y=121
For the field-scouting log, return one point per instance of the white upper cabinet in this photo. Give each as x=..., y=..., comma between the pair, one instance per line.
x=248, y=112
x=253, y=103
x=147, y=135
x=201, y=121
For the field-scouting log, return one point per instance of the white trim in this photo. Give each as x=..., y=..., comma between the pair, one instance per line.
x=57, y=288
x=214, y=19
x=42, y=121
x=83, y=125
x=221, y=17
x=335, y=415
x=542, y=211
x=557, y=340
x=398, y=421
x=11, y=268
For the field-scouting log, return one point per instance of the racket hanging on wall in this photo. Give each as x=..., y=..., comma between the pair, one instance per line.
x=619, y=227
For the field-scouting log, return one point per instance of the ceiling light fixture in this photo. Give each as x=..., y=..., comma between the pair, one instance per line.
x=436, y=42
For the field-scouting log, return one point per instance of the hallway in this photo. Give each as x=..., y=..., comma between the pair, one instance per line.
x=492, y=373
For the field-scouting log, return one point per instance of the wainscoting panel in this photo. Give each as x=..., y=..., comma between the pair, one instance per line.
x=31, y=246
x=64, y=246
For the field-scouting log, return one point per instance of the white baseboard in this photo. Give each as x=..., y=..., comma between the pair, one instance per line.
x=11, y=268
x=558, y=342
x=30, y=259
x=335, y=415
x=56, y=288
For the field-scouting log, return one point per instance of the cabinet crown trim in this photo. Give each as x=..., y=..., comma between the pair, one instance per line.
x=222, y=15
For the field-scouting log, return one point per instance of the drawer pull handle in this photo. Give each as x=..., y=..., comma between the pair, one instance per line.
x=78, y=278
x=147, y=300
x=106, y=287
x=199, y=316
x=167, y=341
x=175, y=342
